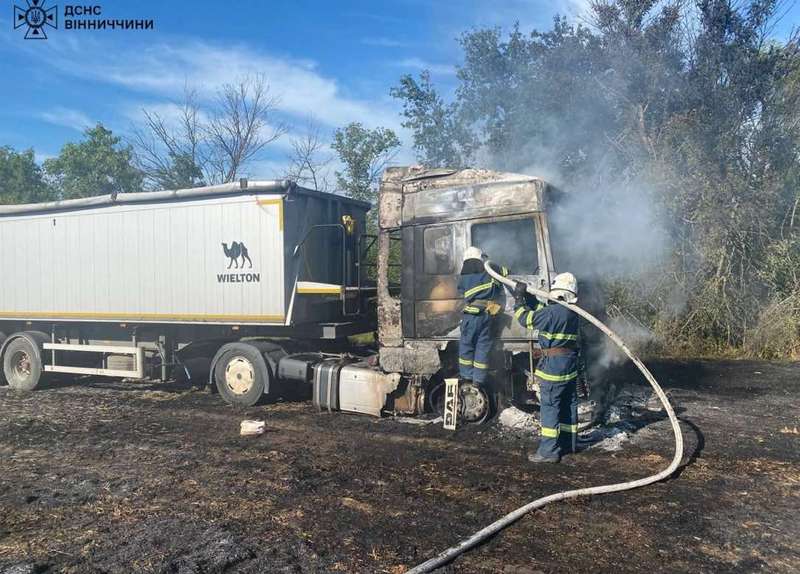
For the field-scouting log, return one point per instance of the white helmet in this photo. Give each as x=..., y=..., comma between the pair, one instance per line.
x=473, y=253
x=565, y=286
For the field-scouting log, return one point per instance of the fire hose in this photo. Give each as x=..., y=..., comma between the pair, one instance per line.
x=468, y=543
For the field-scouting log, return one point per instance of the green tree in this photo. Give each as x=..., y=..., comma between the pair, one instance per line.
x=364, y=153
x=691, y=105
x=180, y=173
x=95, y=166
x=21, y=178
x=440, y=138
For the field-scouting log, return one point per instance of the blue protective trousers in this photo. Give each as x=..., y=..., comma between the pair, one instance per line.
x=474, y=347
x=558, y=417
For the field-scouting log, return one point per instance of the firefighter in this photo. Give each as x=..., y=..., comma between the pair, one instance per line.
x=481, y=302
x=557, y=370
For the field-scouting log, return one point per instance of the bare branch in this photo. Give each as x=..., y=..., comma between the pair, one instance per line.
x=309, y=159
x=207, y=143
x=240, y=125
x=161, y=143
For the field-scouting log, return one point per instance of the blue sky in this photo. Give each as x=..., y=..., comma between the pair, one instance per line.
x=331, y=61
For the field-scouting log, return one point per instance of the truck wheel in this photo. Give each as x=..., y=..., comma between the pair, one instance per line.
x=241, y=375
x=2, y=340
x=21, y=365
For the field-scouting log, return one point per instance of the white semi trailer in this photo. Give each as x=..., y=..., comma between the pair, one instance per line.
x=127, y=285
x=248, y=284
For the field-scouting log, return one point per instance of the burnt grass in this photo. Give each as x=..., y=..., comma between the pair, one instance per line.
x=105, y=476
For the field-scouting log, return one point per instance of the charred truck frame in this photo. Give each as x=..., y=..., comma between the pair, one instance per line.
x=252, y=285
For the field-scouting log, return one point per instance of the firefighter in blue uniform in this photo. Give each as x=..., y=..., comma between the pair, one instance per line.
x=481, y=302
x=557, y=370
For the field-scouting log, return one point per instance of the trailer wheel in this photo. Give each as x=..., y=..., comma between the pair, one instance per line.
x=241, y=375
x=22, y=366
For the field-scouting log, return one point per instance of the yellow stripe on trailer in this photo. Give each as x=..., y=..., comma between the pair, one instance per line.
x=134, y=317
x=279, y=203
x=314, y=288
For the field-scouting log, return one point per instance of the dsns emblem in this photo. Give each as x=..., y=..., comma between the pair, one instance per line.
x=36, y=17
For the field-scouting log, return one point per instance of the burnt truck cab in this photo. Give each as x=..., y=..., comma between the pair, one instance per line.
x=433, y=216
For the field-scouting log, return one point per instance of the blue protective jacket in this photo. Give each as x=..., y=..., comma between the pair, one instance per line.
x=477, y=286
x=558, y=327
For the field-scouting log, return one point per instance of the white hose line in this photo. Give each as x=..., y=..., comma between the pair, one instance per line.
x=481, y=535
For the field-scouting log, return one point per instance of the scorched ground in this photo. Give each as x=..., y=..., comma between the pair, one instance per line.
x=99, y=476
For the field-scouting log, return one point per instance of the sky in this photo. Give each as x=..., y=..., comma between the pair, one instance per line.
x=329, y=63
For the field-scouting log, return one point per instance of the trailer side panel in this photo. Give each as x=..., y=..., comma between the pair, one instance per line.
x=208, y=260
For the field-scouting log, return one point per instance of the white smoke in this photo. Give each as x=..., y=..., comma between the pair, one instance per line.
x=637, y=337
x=603, y=230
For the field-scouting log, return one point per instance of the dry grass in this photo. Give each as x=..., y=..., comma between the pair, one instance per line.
x=777, y=333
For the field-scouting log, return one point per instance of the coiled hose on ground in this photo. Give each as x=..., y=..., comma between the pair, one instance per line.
x=497, y=526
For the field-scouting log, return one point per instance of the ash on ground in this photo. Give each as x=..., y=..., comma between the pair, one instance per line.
x=608, y=429
x=632, y=408
x=516, y=420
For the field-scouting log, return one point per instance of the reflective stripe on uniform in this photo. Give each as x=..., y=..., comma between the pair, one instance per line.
x=503, y=272
x=558, y=336
x=467, y=362
x=568, y=428
x=478, y=289
x=480, y=365
x=472, y=310
x=556, y=378
x=529, y=320
x=548, y=432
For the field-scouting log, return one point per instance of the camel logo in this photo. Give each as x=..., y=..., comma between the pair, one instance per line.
x=234, y=252
x=36, y=17
x=238, y=255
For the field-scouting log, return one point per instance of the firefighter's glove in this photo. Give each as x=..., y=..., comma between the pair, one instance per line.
x=520, y=289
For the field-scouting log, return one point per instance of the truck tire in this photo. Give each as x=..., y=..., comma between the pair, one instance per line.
x=241, y=374
x=3, y=338
x=22, y=365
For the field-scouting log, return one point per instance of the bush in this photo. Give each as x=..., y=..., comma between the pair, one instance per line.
x=777, y=333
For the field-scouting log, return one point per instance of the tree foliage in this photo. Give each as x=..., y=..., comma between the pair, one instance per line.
x=21, y=178
x=692, y=103
x=98, y=165
x=364, y=153
x=439, y=136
